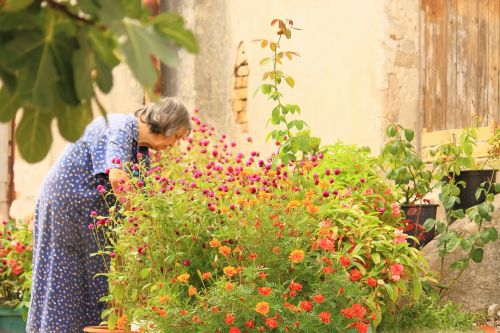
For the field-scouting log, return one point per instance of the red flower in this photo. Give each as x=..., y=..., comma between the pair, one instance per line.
x=344, y=261
x=234, y=330
x=355, y=275
x=295, y=286
x=361, y=327
x=359, y=310
x=229, y=319
x=318, y=298
x=264, y=291
x=371, y=282
x=348, y=313
x=306, y=306
x=397, y=269
x=249, y=324
x=326, y=244
x=325, y=317
x=271, y=323
x=327, y=270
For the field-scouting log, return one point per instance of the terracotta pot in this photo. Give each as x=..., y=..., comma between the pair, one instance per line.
x=102, y=329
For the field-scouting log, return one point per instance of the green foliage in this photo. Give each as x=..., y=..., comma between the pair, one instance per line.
x=429, y=314
x=55, y=54
x=292, y=137
x=402, y=164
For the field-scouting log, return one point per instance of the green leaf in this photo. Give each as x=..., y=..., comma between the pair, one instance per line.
x=103, y=45
x=375, y=257
x=468, y=148
x=483, y=211
x=393, y=295
x=409, y=134
x=460, y=264
x=477, y=255
x=276, y=115
x=492, y=234
x=16, y=5
x=118, y=291
x=104, y=76
x=391, y=131
x=429, y=224
x=33, y=136
x=290, y=81
x=141, y=43
x=9, y=104
x=145, y=272
x=111, y=11
x=171, y=25
x=453, y=244
x=82, y=67
x=112, y=320
x=466, y=244
x=73, y=120
x=497, y=187
x=90, y=7
x=266, y=88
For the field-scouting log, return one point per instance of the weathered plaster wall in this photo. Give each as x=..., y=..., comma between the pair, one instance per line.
x=358, y=68
x=125, y=96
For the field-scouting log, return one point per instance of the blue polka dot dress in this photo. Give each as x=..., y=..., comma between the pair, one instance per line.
x=65, y=292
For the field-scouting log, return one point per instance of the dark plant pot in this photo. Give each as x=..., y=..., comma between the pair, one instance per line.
x=416, y=215
x=473, y=180
x=11, y=321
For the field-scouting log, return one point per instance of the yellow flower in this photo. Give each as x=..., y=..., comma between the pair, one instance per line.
x=293, y=204
x=265, y=195
x=262, y=308
x=296, y=256
x=230, y=271
x=183, y=278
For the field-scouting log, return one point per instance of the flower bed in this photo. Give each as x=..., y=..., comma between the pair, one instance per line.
x=217, y=241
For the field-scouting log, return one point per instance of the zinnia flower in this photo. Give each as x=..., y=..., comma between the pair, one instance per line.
x=325, y=317
x=262, y=308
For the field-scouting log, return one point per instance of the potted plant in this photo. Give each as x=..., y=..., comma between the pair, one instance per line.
x=403, y=165
x=461, y=176
x=15, y=275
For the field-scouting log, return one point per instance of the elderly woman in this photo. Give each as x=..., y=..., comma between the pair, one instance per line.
x=65, y=292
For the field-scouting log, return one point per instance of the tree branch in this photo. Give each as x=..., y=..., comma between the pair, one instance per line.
x=62, y=8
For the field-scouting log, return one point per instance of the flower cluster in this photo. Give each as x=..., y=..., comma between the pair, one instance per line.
x=221, y=241
x=15, y=264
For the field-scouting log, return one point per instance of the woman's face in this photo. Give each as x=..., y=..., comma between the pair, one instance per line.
x=162, y=142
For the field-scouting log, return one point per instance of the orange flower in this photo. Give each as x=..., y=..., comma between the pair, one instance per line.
x=206, y=276
x=229, y=286
x=296, y=256
x=192, y=291
x=162, y=313
x=252, y=256
x=183, y=278
x=122, y=321
x=276, y=250
x=312, y=209
x=265, y=195
x=264, y=291
x=163, y=299
x=263, y=275
x=293, y=204
x=214, y=243
x=230, y=271
x=224, y=250
x=262, y=308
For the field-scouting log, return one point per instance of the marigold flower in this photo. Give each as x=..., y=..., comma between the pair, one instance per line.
x=326, y=244
x=318, y=298
x=295, y=286
x=252, y=256
x=296, y=256
x=214, y=243
x=371, y=282
x=355, y=275
x=249, y=324
x=183, y=278
x=225, y=251
x=262, y=275
x=306, y=306
x=229, y=286
x=325, y=317
x=262, y=308
x=359, y=310
x=293, y=204
x=312, y=209
x=361, y=327
x=344, y=261
x=230, y=271
x=163, y=299
x=271, y=323
x=264, y=291
x=229, y=319
x=206, y=276
x=327, y=270
x=276, y=250
x=162, y=313
x=192, y=291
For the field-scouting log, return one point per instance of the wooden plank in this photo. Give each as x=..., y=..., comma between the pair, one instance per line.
x=451, y=68
x=493, y=60
x=439, y=137
x=428, y=54
x=482, y=63
x=462, y=63
x=441, y=64
x=472, y=58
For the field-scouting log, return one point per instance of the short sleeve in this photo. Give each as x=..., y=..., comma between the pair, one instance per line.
x=115, y=146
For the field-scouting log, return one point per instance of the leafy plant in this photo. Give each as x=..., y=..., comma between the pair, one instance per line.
x=293, y=138
x=55, y=54
x=229, y=242
x=15, y=265
x=403, y=165
x=428, y=313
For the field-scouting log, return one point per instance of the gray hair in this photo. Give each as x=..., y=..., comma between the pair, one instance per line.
x=166, y=116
